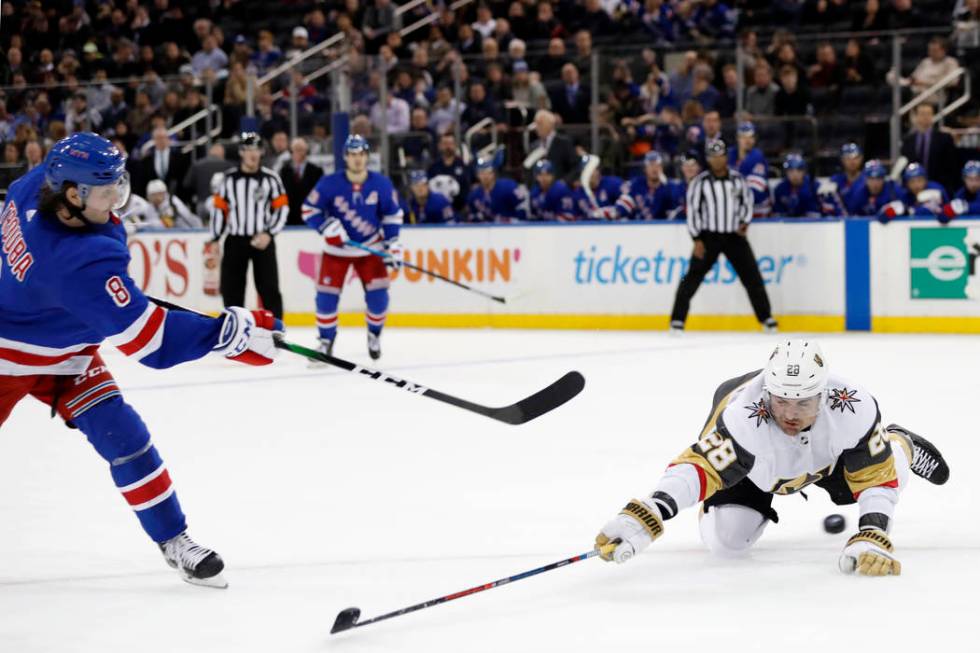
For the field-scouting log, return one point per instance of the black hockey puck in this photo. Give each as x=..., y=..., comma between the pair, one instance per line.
x=834, y=523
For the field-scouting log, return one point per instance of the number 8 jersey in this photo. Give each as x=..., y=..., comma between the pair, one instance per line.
x=63, y=291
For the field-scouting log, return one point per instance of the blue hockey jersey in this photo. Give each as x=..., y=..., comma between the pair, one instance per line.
x=609, y=190
x=368, y=212
x=640, y=202
x=929, y=208
x=796, y=201
x=437, y=210
x=678, y=194
x=506, y=202
x=63, y=291
x=755, y=169
x=555, y=204
x=972, y=201
x=846, y=187
x=863, y=203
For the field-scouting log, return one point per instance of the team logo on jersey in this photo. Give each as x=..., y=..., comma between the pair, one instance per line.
x=759, y=411
x=842, y=399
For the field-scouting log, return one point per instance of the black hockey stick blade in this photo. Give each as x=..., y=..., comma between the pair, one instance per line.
x=346, y=619
x=541, y=402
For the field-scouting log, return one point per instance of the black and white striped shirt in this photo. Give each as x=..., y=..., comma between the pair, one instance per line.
x=248, y=203
x=718, y=204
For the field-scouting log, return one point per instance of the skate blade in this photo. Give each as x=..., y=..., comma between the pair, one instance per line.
x=217, y=581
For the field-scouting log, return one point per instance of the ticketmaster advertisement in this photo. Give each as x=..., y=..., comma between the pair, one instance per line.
x=566, y=275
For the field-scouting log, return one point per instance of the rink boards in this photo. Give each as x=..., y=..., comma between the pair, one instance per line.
x=821, y=275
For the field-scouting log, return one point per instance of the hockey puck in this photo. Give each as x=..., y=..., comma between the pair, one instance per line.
x=834, y=523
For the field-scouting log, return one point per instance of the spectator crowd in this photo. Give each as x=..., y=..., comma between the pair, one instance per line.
x=140, y=72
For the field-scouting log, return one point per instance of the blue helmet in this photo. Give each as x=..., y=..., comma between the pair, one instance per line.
x=356, y=143
x=746, y=128
x=875, y=169
x=85, y=159
x=653, y=156
x=971, y=169
x=794, y=162
x=484, y=164
x=417, y=177
x=544, y=167
x=849, y=150
x=912, y=171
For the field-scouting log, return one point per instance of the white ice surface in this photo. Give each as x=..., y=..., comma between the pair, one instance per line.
x=322, y=491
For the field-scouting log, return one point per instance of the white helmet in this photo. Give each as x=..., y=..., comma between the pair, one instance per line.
x=796, y=370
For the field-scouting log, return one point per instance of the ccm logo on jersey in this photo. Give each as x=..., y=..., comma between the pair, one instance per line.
x=117, y=290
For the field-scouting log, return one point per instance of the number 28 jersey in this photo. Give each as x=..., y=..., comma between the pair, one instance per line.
x=741, y=440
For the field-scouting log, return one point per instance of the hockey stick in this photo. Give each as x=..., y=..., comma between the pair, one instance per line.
x=541, y=402
x=585, y=178
x=898, y=168
x=347, y=618
x=410, y=266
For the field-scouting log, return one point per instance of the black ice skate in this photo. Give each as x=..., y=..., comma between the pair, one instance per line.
x=196, y=564
x=927, y=462
x=374, y=346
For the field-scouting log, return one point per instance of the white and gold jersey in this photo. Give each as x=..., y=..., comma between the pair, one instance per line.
x=740, y=441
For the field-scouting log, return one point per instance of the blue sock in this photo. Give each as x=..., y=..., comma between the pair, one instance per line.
x=377, y=309
x=326, y=314
x=121, y=438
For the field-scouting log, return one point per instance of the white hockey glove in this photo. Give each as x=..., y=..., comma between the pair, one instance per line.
x=334, y=234
x=632, y=530
x=395, y=253
x=247, y=336
x=869, y=553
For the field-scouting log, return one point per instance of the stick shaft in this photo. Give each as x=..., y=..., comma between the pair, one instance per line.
x=435, y=275
x=481, y=588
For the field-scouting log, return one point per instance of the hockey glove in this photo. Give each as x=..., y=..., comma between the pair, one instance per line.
x=246, y=336
x=334, y=234
x=395, y=253
x=869, y=553
x=632, y=530
x=951, y=210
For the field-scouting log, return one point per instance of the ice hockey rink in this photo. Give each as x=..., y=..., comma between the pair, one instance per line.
x=322, y=491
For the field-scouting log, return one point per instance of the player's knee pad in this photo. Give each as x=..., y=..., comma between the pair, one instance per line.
x=730, y=530
x=114, y=428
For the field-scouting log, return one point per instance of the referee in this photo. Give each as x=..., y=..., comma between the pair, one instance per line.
x=719, y=209
x=251, y=206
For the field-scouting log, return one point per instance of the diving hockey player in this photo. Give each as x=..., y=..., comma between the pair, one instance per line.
x=360, y=206
x=776, y=431
x=64, y=289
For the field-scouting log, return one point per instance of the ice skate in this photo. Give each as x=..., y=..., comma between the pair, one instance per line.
x=196, y=564
x=374, y=345
x=927, y=462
